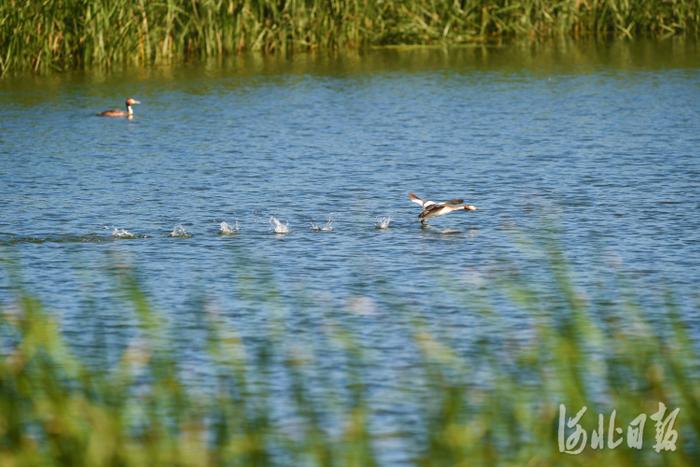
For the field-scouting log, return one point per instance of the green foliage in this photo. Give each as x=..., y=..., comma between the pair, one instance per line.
x=41, y=35
x=495, y=405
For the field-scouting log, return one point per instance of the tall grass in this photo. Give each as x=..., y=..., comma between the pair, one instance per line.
x=275, y=400
x=42, y=35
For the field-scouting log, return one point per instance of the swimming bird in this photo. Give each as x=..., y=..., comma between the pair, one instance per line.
x=433, y=209
x=120, y=113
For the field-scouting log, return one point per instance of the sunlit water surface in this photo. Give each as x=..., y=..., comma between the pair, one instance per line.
x=602, y=141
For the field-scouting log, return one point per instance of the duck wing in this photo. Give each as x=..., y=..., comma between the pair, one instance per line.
x=420, y=202
x=416, y=199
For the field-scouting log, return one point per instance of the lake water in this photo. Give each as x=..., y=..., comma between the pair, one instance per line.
x=599, y=140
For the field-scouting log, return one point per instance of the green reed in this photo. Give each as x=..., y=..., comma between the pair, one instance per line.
x=42, y=35
x=495, y=405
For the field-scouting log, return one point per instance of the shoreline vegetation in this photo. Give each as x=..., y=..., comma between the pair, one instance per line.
x=271, y=399
x=61, y=35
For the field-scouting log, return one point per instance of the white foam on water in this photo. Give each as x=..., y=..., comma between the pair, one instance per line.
x=278, y=226
x=179, y=232
x=227, y=229
x=122, y=233
x=327, y=227
x=383, y=222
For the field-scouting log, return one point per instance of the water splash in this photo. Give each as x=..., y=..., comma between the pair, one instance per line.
x=383, y=222
x=327, y=227
x=179, y=232
x=122, y=233
x=17, y=240
x=278, y=226
x=227, y=229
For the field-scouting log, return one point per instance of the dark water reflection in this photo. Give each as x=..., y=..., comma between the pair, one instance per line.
x=603, y=138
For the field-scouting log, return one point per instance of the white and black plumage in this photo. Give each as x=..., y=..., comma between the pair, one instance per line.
x=433, y=209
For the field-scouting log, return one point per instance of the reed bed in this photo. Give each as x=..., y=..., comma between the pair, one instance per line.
x=45, y=35
x=498, y=405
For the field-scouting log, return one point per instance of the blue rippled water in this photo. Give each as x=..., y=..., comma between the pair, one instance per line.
x=603, y=143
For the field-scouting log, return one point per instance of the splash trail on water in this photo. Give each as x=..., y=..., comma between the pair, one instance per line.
x=278, y=226
x=227, y=229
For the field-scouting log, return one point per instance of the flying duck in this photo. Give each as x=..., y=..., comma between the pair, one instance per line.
x=433, y=209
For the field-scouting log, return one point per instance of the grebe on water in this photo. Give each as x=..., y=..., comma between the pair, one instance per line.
x=433, y=209
x=120, y=113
